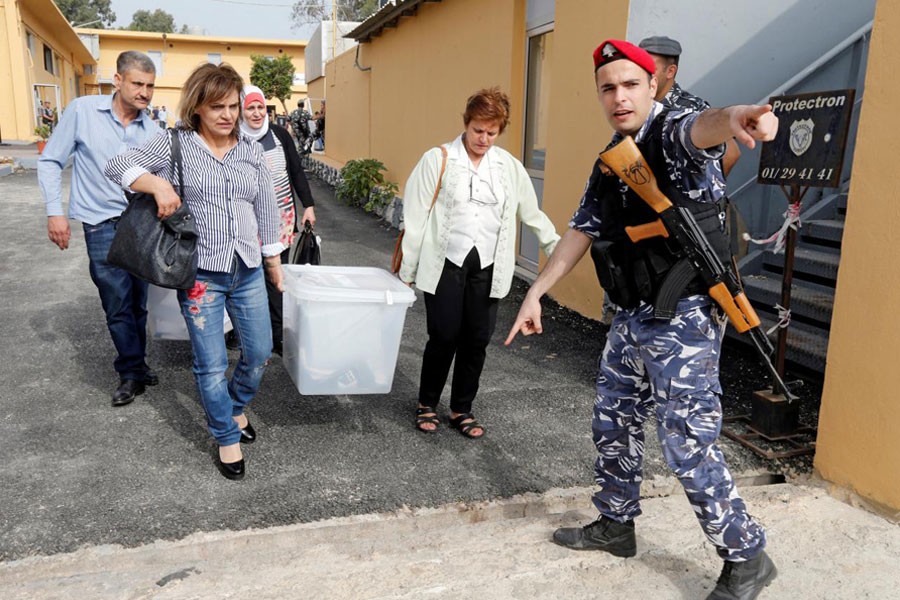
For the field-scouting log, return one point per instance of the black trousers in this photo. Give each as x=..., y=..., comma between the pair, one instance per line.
x=461, y=317
x=276, y=305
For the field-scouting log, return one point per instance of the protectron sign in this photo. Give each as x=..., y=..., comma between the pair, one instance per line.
x=808, y=149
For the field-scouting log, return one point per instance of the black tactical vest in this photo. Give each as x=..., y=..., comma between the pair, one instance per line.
x=633, y=271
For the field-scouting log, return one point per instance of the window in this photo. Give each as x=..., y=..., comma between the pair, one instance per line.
x=540, y=48
x=214, y=58
x=48, y=60
x=157, y=59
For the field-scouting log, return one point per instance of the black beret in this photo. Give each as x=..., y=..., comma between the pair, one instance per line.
x=660, y=44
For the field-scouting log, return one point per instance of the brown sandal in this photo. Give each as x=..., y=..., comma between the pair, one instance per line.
x=468, y=427
x=424, y=416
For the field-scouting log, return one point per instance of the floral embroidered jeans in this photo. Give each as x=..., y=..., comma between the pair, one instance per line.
x=242, y=292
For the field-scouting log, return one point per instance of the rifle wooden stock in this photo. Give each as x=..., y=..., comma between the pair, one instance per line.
x=628, y=163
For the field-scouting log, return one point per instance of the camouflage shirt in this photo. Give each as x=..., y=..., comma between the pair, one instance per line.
x=300, y=118
x=678, y=98
x=694, y=171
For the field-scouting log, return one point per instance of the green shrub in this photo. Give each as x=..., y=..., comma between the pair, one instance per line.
x=363, y=184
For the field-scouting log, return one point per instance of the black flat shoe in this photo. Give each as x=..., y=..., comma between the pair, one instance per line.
x=234, y=471
x=248, y=434
x=127, y=391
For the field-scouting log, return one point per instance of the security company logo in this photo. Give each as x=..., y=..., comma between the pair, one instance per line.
x=638, y=173
x=801, y=136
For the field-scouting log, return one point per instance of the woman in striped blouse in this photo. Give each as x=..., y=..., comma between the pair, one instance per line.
x=289, y=180
x=228, y=188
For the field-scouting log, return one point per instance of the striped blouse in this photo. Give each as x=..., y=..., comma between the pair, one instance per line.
x=277, y=161
x=232, y=200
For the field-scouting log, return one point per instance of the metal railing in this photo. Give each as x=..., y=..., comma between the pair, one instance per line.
x=815, y=67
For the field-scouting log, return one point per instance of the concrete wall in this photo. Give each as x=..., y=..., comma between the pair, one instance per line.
x=182, y=53
x=860, y=416
x=741, y=50
x=325, y=43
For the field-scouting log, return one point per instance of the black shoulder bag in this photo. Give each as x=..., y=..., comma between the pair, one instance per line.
x=161, y=251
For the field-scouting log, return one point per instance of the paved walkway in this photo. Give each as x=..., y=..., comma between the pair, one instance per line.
x=80, y=476
x=499, y=550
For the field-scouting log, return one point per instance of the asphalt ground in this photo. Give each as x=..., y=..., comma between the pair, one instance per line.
x=77, y=472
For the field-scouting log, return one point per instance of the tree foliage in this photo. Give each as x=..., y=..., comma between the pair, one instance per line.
x=307, y=12
x=158, y=20
x=84, y=12
x=274, y=76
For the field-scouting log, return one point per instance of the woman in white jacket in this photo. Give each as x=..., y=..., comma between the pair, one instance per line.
x=460, y=251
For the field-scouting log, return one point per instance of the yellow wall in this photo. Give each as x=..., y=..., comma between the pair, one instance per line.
x=20, y=71
x=577, y=130
x=350, y=140
x=860, y=415
x=315, y=90
x=423, y=74
x=182, y=53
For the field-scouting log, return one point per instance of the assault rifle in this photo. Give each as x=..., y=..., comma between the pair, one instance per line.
x=676, y=222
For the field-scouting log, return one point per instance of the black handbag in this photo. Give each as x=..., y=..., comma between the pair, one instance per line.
x=305, y=250
x=161, y=251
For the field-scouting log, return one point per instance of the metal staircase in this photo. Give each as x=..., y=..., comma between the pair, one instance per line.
x=816, y=261
x=818, y=249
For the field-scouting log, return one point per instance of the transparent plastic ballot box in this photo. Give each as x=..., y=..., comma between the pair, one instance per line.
x=164, y=318
x=342, y=328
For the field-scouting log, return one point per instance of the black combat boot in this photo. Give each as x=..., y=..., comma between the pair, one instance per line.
x=603, y=534
x=744, y=580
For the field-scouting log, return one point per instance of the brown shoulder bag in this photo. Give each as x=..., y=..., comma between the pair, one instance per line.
x=397, y=257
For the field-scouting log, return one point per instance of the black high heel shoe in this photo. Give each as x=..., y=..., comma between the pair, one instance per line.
x=248, y=434
x=234, y=471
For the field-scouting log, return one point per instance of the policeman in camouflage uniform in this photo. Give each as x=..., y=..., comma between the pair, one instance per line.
x=666, y=54
x=300, y=123
x=669, y=366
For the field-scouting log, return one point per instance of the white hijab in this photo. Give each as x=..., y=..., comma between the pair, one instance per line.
x=252, y=92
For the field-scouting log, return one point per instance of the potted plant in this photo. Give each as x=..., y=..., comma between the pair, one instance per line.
x=43, y=132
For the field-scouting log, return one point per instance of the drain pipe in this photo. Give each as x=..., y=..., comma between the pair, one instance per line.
x=356, y=62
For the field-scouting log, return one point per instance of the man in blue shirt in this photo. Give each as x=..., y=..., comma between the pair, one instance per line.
x=92, y=130
x=652, y=364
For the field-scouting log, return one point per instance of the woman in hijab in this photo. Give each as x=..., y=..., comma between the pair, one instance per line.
x=290, y=183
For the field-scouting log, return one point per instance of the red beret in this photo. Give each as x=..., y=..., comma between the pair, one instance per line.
x=611, y=50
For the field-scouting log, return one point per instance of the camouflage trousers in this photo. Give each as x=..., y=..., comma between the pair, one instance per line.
x=672, y=367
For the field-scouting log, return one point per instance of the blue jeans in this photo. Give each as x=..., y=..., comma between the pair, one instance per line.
x=124, y=300
x=242, y=292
